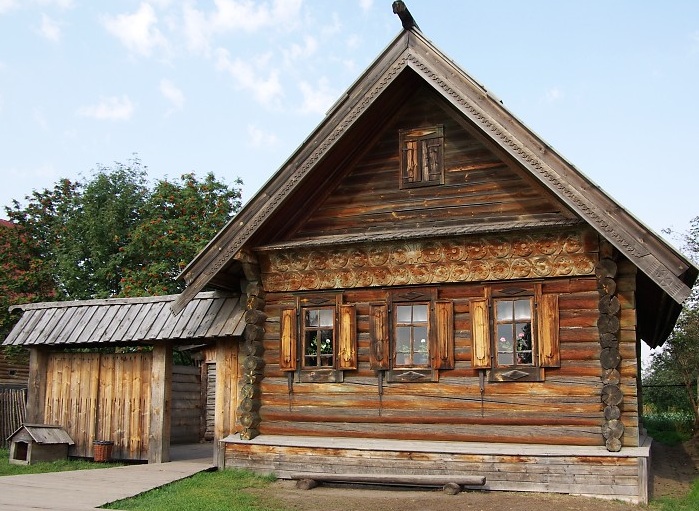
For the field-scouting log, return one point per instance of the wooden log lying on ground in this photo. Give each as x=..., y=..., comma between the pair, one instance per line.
x=446, y=480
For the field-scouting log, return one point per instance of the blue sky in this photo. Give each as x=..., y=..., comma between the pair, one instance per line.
x=234, y=86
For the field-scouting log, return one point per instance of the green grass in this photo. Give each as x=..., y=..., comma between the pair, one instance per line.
x=670, y=428
x=689, y=503
x=7, y=469
x=206, y=491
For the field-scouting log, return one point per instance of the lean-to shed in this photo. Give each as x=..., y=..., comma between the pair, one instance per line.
x=432, y=289
x=103, y=370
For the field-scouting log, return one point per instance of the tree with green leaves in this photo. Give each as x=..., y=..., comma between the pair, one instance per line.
x=110, y=235
x=673, y=375
x=176, y=222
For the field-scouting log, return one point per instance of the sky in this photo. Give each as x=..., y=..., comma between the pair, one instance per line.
x=233, y=87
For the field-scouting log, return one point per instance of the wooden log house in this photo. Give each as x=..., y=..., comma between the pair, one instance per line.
x=431, y=289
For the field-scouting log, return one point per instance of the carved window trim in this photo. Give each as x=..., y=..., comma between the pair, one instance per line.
x=294, y=329
x=421, y=153
x=544, y=332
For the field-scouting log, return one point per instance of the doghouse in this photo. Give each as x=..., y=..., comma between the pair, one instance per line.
x=32, y=443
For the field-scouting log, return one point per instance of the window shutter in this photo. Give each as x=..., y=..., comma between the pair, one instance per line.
x=547, y=323
x=480, y=334
x=443, y=351
x=347, y=339
x=287, y=337
x=379, y=357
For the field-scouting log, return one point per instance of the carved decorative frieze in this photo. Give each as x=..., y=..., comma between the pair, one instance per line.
x=505, y=257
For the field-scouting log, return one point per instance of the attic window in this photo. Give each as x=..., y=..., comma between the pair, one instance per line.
x=421, y=157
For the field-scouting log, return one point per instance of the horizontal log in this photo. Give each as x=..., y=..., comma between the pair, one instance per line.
x=394, y=479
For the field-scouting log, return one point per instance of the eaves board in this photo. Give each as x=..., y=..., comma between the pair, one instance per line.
x=644, y=248
x=345, y=113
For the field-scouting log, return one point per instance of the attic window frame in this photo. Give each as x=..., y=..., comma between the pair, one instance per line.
x=419, y=141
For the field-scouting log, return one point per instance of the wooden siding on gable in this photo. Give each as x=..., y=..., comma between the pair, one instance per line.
x=479, y=186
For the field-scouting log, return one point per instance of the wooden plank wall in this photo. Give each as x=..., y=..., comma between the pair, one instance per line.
x=101, y=397
x=13, y=409
x=186, y=405
x=479, y=187
x=564, y=409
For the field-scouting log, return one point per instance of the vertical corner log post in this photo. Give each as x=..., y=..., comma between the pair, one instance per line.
x=608, y=325
x=253, y=362
x=36, y=395
x=160, y=398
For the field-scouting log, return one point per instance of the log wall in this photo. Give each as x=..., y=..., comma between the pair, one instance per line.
x=566, y=408
x=187, y=413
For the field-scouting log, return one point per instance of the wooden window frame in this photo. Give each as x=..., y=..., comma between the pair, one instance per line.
x=545, y=349
x=292, y=333
x=440, y=334
x=421, y=154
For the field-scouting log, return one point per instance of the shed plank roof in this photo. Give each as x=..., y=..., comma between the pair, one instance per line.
x=126, y=321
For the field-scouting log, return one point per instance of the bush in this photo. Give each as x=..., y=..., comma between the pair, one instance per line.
x=670, y=428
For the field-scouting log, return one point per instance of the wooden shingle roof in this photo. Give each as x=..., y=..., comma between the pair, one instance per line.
x=127, y=321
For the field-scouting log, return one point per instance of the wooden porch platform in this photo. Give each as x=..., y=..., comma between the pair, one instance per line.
x=576, y=470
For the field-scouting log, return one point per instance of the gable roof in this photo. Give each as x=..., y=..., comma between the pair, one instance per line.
x=119, y=321
x=411, y=51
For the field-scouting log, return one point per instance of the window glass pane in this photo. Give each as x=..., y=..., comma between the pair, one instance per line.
x=524, y=336
x=420, y=336
x=311, y=317
x=404, y=313
x=503, y=310
x=326, y=317
x=326, y=342
x=420, y=313
x=401, y=359
x=523, y=309
x=505, y=341
x=524, y=358
x=403, y=339
x=420, y=359
x=506, y=359
x=311, y=344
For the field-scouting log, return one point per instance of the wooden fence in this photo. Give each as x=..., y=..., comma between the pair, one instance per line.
x=13, y=401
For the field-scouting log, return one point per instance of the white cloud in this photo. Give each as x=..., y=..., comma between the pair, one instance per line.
x=174, y=95
x=8, y=5
x=267, y=91
x=61, y=4
x=200, y=26
x=50, y=29
x=261, y=138
x=137, y=31
x=554, y=94
x=297, y=51
x=112, y=109
x=317, y=99
x=366, y=5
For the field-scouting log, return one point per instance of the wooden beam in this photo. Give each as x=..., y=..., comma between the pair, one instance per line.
x=36, y=399
x=394, y=479
x=160, y=388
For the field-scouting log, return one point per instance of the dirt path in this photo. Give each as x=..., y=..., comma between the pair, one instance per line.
x=674, y=469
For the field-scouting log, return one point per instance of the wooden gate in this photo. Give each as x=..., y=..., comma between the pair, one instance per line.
x=98, y=396
x=13, y=409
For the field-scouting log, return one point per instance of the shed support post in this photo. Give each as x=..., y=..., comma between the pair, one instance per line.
x=226, y=393
x=36, y=398
x=161, y=390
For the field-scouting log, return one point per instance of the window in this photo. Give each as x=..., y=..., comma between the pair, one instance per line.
x=514, y=333
x=318, y=338
x=421, y=157
x=513, y=323
x=412, y=336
